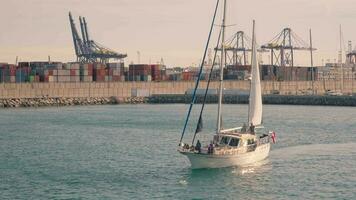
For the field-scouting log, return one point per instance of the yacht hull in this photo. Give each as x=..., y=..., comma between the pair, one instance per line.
x=199, y=161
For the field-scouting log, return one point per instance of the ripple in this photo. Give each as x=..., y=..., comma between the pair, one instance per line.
x=129, y=152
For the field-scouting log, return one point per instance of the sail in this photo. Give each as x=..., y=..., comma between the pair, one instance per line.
x=255, y=103
x=199, y=125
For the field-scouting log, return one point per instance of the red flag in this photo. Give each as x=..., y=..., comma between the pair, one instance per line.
x=273, y=136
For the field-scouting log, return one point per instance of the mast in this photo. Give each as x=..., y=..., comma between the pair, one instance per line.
x=340, y=63
x=222, y=64
x=312, y=60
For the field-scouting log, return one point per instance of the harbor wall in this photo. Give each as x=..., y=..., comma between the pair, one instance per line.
x=267, y=99
x=123, y=89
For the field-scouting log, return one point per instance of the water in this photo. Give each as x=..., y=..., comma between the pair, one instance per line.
x=129, y=152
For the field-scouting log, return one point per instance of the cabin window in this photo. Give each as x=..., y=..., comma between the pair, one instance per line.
x=224, y=140
x=250, y=141
x=234, y=142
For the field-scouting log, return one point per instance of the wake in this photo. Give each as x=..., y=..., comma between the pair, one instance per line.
x=314, y=150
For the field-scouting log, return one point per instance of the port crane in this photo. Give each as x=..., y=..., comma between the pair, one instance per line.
x=283, y=47
x=237, y=48
x=351, y=55
x=88, y=50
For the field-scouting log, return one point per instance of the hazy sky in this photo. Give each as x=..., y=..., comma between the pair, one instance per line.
x=175, y=30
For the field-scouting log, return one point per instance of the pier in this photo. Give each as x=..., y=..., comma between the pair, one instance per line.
x=69, y=94
x=123, y=89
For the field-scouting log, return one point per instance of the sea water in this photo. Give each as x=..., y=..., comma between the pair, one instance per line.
x=130, y=152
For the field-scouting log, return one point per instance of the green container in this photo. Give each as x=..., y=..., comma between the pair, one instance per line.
x=31, y=78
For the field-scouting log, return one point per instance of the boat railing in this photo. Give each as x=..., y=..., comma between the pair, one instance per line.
x=264, y=139
x=226, y=150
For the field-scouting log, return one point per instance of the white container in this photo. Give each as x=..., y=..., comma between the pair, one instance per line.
x=136, y=92
x=74, y=78
x=88, y=79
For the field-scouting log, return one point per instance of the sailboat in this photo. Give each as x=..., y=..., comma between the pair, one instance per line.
x=235, y=146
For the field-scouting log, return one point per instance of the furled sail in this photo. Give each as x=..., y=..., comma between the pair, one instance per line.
x=255, y=101
x=199, y=125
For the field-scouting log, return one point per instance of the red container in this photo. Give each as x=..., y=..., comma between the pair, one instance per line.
x=73, y=72
x=116, y=78
x=140, y=70
x=188, y=76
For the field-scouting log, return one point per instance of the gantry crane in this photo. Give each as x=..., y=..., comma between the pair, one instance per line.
x=283, y=47
x=237, y=49
x=88, y=50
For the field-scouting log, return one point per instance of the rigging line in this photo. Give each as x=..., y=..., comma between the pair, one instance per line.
x=200, y=72
x=207, y=87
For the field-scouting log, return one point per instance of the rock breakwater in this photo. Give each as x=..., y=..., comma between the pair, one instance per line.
x=183, y=99
x=44, y=102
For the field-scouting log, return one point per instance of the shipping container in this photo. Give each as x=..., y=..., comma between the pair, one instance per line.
x=136, y=92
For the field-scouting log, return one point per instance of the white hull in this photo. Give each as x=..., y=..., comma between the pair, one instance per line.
x=199, y=161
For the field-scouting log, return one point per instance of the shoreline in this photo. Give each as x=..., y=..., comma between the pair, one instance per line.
x=349, y=101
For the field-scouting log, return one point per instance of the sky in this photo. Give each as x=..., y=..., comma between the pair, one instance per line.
x=175, y=30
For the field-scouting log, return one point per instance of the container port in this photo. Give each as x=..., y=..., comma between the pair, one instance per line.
x=101, y=72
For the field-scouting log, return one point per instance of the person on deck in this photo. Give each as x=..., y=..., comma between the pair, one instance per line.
x=252, y=129
x=244, y=128
x=211, y=148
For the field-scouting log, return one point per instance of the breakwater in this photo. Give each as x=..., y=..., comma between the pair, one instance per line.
x=45, y=102
x=177, y=99
x=267, y=99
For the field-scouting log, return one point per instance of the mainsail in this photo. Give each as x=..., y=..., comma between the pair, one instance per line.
x=255, y=104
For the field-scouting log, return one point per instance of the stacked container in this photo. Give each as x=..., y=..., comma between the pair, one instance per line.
x=86, y=72
x=74, y=72
x=22, y=74
x=175, y=77
x=189, y=75
x=269, y=72
x=140, y=72
x=115, y=71
x=99, y=72
x=156, y=72
x=8, y=73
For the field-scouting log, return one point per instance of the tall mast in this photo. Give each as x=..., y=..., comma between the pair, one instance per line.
x=340, y=63
x=222, y=64
x=311, y=60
